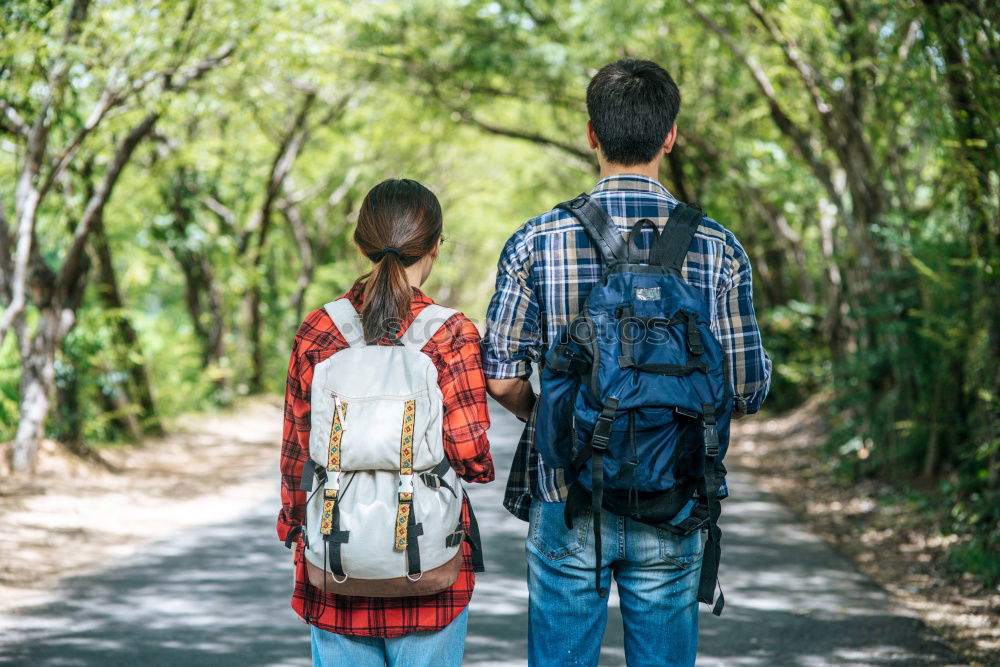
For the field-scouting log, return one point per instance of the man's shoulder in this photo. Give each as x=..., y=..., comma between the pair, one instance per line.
x=714, y=231
x=522, y=241
x=555, y=219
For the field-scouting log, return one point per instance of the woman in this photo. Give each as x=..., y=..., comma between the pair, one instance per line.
x=399, y=231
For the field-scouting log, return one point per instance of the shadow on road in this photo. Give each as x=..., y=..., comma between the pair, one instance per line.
x=218, y=596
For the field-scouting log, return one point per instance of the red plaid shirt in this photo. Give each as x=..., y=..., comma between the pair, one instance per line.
x=455, y=352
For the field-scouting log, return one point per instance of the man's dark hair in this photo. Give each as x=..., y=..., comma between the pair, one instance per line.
x=632, y=106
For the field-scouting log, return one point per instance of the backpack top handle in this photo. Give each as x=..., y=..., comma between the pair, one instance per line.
x=633, y=254
x=669, y=247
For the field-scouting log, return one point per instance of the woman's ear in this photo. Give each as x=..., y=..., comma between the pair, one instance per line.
x=436, y=249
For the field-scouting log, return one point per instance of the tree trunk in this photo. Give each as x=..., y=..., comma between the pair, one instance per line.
x=202, y=294
x=969, y=92
x=129, y=355
x=38, y=373
x=256, y=381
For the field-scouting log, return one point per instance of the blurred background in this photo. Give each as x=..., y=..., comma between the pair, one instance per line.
x=179, y=181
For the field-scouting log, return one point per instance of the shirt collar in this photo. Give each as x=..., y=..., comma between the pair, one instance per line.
x=631, y=182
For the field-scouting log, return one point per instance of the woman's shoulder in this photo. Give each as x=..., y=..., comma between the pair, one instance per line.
x=317, y=320
x=318, y=331
x=457, y=330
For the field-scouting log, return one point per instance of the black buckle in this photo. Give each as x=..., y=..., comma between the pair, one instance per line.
x=291, y=536
x=684, y=412
x=600, y=442
x=694, y=336
x=430, y=480
x=579, y=201
x=711, y=440
x=602, y=429
x=711, y=434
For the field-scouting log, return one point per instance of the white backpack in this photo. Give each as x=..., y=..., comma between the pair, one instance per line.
x=385, y=517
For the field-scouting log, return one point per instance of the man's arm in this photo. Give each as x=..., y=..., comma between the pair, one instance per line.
x=513, y=333
x=515, y=394
x=750, y=367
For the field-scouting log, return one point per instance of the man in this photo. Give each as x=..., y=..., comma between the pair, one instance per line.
x=544, y=274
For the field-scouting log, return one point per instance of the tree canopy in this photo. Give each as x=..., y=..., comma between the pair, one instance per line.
x=180, y=179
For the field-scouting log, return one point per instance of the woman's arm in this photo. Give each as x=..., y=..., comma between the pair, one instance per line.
x=294, y=449
x=466, y=415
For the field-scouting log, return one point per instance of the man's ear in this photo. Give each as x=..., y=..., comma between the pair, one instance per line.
x=668, y=143
x=591, y=136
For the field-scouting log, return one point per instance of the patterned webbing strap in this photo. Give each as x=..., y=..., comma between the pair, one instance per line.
x=333, y=465
x=405, y=476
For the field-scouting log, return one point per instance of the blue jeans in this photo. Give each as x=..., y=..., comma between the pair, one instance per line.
x=657, y=574
x=443, y=648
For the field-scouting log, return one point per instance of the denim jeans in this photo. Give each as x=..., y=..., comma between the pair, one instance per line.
x=657, y=574
x=443, y=648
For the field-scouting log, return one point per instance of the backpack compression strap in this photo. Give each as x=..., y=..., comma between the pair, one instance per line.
x=672, y=245
x=594, y=450
x=347, y=321
x=709, y=494
x=599, y=226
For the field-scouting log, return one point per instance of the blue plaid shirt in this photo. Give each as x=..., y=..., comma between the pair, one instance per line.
x=545, y=272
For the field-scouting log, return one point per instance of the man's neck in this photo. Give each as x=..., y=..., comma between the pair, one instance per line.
x=649, y=170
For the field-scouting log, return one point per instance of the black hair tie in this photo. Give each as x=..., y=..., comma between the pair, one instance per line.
x=388, y=250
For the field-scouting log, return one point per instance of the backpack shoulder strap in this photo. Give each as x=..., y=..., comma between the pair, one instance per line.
x=672, y=245
x=347, y=321
x=425, y=325
x=600, y=227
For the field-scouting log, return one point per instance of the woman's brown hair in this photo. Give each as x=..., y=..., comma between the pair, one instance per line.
x=399, y=223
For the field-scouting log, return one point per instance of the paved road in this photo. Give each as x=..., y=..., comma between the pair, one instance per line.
x=217, y=596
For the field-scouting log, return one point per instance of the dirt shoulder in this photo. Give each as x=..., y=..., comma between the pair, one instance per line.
x=871, y=527
x=75, y=516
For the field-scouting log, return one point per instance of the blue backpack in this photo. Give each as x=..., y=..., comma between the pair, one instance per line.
x=635, y=396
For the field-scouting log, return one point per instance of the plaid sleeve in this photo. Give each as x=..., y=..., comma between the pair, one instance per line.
x=750, y=367
x=513, y=334
x=466, y=417
x=294, y=446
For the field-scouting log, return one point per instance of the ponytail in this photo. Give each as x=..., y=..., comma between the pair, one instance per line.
x=387, y=298
x=398, y=224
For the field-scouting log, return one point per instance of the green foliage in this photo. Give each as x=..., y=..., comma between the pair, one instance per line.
x=10, y=372
x=800, y=367
x=863, y=184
